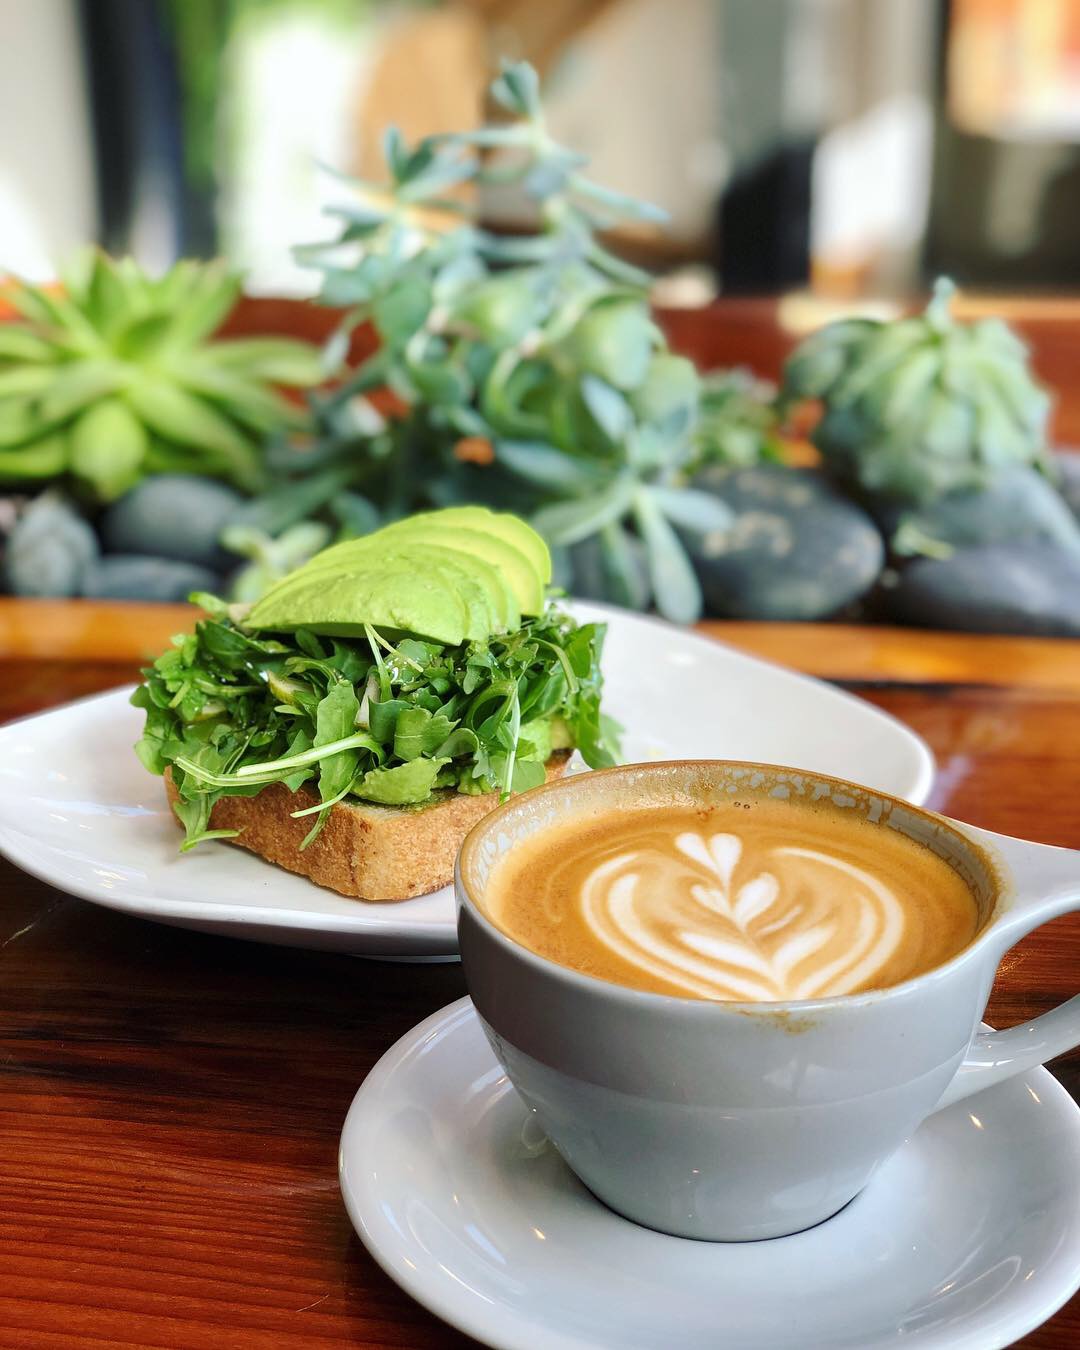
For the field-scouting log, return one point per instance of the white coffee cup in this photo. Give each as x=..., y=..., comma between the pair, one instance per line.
x=734, y=1121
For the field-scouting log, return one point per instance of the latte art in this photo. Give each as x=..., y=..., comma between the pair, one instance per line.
x=811, y=925
x=768, y=903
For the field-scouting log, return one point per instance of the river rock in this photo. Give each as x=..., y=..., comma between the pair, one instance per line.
x=129, y=576
x=1020, y=504
x=172, y=515
x=49, y=550
x=595, y=579
x=999, y=588
x=1068, y=462
x=797, y=549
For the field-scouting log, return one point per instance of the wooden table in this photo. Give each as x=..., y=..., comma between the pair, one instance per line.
x=170, y=1103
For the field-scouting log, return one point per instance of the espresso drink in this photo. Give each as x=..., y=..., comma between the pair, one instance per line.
x=759, y=901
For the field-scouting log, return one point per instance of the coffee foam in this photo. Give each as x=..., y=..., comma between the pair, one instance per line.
x=765, y=901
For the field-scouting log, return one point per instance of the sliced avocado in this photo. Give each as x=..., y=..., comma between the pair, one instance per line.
x=471, y=571
x=499, y=523
x=513, y=567
x=478, y=578
x=343, y=599
x=428, y=602
x=509, y=528
x=336, y=555
x=503, y=614
x=339, y=595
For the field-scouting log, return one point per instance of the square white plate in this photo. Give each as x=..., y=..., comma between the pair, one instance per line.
x=78, y=810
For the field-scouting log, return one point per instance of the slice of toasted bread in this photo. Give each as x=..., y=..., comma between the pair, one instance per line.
x=364, y=850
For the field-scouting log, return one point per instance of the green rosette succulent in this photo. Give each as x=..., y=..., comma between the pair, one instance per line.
x=116, y=375
x=919, y=407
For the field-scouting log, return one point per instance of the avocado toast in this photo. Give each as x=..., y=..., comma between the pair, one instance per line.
x=354, y=723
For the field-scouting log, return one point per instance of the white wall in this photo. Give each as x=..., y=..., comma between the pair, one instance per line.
x=639, y=94
x=47, y=202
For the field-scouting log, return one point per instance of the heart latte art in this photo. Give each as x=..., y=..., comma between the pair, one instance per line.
x=765, y=903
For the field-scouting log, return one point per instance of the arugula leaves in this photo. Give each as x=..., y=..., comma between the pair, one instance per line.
x=367, y=718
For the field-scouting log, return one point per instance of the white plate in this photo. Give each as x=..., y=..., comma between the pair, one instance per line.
x=78, y=810
x=966, y=1238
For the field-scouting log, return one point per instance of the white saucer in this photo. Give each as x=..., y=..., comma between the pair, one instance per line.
x=968, y=1237
x=78, y=809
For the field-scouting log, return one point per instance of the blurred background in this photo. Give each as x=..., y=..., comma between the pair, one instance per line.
x=847, y=147
x=814, y=160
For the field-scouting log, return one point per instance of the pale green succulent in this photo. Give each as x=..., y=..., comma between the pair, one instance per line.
x=920, y=406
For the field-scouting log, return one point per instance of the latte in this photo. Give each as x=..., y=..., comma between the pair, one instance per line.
x=760, y=901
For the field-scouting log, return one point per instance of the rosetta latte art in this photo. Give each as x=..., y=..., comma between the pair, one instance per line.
x=759, y=901
x=795, y=923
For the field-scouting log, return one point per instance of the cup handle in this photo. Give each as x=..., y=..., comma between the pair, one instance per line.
x=1047, y=885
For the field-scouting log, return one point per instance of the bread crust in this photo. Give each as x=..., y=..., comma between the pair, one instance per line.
x=364, y=850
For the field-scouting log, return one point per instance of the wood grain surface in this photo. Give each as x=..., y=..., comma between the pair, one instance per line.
x=72, y=633
x=170, y=1103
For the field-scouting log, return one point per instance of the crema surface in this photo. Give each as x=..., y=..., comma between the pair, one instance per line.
x=760, y=901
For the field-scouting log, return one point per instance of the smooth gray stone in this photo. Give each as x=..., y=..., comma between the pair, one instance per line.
x=1068, y=461
x=1001, y=588
x=593, y=578
x=172, y=515
x=798, y=549
x=562, y=569
x=1019, y=505
x=128, y=576
x=49, y=550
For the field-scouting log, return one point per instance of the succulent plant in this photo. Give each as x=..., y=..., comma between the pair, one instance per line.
x=526, y=372
x=740, y=421
x=920, y=406
x=269, y=559
x=115, y=375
